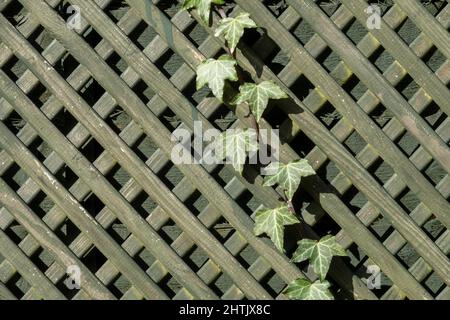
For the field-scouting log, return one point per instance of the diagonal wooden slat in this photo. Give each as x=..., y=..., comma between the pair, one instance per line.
x=159, y=134
x=391, y=210
x=152, y=185
x=108, y=34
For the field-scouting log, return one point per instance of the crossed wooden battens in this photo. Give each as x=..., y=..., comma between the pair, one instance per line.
x=222, y=201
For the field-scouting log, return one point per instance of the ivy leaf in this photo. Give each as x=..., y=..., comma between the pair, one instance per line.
x=302, y=289
x=258, y=95
x=203, y=7
x=289, y=175
x=233, y=145
x=214, y=73
x=232, y=29
x=319, y=253
x=272, y=222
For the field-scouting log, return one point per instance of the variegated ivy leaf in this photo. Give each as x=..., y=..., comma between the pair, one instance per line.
x=235, y=145
x=302, y=289
x=272, y=222
x=214, y=73
x=288, y=176
x=203, y=7
x=232, y=29
x=258, y=95
x=319, y=253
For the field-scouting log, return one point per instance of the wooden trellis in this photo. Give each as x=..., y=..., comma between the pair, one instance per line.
x=86, y=178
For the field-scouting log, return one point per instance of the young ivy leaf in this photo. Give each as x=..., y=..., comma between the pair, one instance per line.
x=214, y=73
x=203, y=7
x=288, y=176
x=302, y=289
x=235, y=145
x=258, y=95
x=272, y=222
x=319, y=253
x=232, y=29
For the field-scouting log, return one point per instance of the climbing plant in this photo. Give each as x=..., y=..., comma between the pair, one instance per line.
x=215, y=73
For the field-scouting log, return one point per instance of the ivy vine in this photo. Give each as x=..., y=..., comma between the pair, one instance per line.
x=270, y=221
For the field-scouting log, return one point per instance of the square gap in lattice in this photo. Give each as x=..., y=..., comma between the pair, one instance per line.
x=434, y=284
x=170, y=231
x=14, y=12
x=354, y=87
x=119, y=286
x=116, y=10
x=143, y=204
x=380, y=115
x=434, y=172
x=355, y=143
x=91, y=149
x=328, y=115
x=434, y=229
x=168, y=63
x=434, y=6
x=67, y=232
x=196, y=202
x=40, y=39
x=92, y=204
x=407, y=87
x=118, y=231
x=408, y=200
x=41, y=204
x=64, y=121
x=273, y=283
x=91, y=91
x=14, y=68
x=222, y=229
x=407, y=255
x=354, y=199
x=381, y=171
x=407, y=143
x=170, y=285
x=118, y=177
x=196, y=33
x=381, y=228
x=408, y=31
x=329, y=6
x=93, y=259
x=381, y=59
x=18, y=285
x=170, y=8
x=303, y=31
x=434, y=59
x=16, y=232
x=301, y=144
x=435, y=117
x=42, y=259
x=355, y=31
x=277, y=7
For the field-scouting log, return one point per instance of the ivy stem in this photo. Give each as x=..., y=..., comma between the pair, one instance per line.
x=289, y=203
x=221, y=11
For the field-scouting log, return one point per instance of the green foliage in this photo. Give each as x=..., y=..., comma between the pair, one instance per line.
x=232, y=29
x=235, y=145
x=302, y=289
x=319, y=253
x=288, y=176
x=272, y=222
x=214, y=73
x=203, y=7
x=258, y=95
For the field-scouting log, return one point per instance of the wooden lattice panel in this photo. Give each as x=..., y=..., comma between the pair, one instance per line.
x=86, y=178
